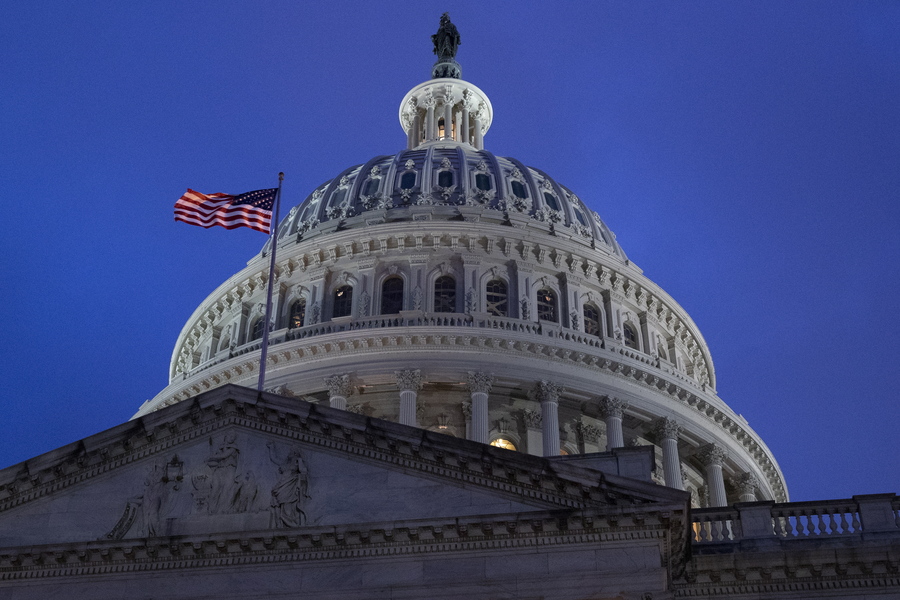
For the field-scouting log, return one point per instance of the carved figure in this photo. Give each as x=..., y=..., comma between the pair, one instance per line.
x=446, y=40
x=224, y=483
x=291, y=489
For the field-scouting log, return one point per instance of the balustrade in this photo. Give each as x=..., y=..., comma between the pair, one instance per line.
x=797, y=520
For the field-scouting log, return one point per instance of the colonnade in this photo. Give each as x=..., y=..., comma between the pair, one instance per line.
x=543, y=428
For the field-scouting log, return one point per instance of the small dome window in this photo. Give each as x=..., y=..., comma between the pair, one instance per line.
x=445, y=179
x=343, y=302
x=519, y=189
x=338, y=197
x=298, y=314
x=483, y=181
x=371, y=187
x=445, y=294
x=408, y=181
x=497, y=298
x=580, y=218
x=551, y=201
x=546, y=303
x=392, y=296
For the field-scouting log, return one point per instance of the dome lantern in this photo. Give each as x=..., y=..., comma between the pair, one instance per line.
x=445, y=108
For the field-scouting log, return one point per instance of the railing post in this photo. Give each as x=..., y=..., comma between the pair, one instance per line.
x=876, y=512
x=756, y=519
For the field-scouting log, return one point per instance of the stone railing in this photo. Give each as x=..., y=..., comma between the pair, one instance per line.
x=797, y=520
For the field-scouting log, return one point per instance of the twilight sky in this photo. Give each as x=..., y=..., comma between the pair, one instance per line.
x=747, y=155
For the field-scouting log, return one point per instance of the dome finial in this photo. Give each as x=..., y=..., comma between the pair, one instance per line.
x=446, y=42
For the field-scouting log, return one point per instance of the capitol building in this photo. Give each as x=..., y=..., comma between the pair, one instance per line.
x=470, y=392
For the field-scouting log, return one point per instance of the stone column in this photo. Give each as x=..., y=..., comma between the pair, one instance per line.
x=547, y=393
x=448, y=117
x=479, y=138
x=409, y=382
x=667, y=431
x=534, y=438
x=339, y=389
x=746, y=483
x=430, y=128
x=479, y=386
x=712, y=456
x=464, y=137
x=612, y=410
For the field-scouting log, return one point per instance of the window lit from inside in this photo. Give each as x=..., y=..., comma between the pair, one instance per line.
x=503, y=443
x=343, y=301
x=298, y=314
x=546, y=303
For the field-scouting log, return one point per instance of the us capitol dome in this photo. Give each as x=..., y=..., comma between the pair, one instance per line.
x=470, y=294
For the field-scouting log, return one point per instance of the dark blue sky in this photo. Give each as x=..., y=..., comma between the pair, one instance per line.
x=747, y=154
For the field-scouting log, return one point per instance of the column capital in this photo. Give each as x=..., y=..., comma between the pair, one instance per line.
x=480, y=382
x=547, y=391
x=409, y=380
x=339, y=385
x=666, y=428
x=746, y=483
x=712, y=454
x=532, y=419
x=612, y=407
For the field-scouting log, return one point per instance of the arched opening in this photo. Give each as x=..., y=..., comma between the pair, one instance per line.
x=445, y=294
x=630, y=335
x=497, y=297
x=505, y=443
x=343, y=302
x=392, y=296
x=256, y=330
x=592, y=323
x=297, y=316
x=546, y=305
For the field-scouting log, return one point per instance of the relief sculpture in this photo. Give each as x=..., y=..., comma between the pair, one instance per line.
x=219, y=487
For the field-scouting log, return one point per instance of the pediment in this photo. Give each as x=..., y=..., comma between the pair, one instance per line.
x=233, y=460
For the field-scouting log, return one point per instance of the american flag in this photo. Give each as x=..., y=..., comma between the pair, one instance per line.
x=251, y=209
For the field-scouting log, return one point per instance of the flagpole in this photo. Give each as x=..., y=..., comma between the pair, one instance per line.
x=267, y=323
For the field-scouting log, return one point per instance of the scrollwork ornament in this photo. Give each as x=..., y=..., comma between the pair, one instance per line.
x=479, y=382
x=409, y=380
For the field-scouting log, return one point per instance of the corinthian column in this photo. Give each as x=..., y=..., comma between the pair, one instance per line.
x=712, y=456
x=612, y=410
x=479, y=386
x=547, y=393
x=339, y=389
x=409, y=382
x=667, y=431
x=746, y=483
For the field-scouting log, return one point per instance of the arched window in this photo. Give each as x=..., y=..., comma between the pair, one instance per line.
x=483, y=181
x=445, y=179
x=546, y=305
x=592, y=320
x=343, y=301
x=504, y=443
x=298, y=314
x=256, y=331
x=371, y=187
x=407, y=181
x=497, y=298
x=519, y=189
x=630, y=336
x=445, y=294
x=391, y=296
x=551, y=200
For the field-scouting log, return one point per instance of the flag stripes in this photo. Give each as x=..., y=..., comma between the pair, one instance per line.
x=251, y=209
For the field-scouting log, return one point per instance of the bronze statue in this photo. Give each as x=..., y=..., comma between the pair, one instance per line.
x=446, y=40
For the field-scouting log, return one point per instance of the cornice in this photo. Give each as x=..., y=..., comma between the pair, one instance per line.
x=539, y=529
